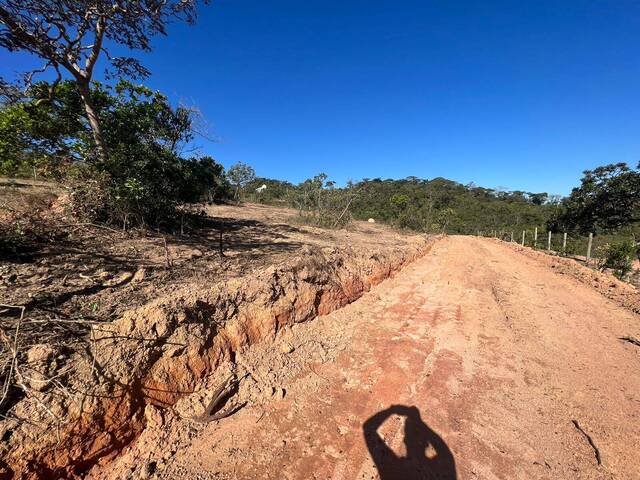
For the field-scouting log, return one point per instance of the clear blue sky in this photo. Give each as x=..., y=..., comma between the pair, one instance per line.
x=519, y=94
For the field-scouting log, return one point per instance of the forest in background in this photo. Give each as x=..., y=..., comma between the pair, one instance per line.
x=413, y=203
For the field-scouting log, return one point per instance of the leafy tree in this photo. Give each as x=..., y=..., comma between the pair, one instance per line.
x=143, y=178
x=607, y=199
x=43, y=136
x=240, y=175
x=444, y=217
x=399, y=202
x=70, y=36
x=539, y=198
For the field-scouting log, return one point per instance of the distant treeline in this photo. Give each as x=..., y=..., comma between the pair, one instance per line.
x=423, y=205
x=607, y=202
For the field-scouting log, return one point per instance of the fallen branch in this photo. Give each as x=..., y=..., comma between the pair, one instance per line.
x=13, y=349
x=632, y=340
x=220, y=394
x=590, y=440
x=96, y=225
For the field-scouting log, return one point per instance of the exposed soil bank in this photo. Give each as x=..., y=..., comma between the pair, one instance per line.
x=156, y=354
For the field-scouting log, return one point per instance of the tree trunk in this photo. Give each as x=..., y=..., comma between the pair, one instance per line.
x=94, y=122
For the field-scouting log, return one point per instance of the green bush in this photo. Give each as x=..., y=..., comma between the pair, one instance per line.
x=617, y=256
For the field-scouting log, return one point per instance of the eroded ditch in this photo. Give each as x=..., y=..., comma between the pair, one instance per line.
x=158, y=354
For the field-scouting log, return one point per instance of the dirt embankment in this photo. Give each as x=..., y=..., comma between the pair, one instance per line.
x=158, y=353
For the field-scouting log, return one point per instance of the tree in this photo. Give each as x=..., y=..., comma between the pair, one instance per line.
x=240, y=175
x=72, y=35
x=144, y=177
x=608, y=198
x=538, y=198
x=41, y=136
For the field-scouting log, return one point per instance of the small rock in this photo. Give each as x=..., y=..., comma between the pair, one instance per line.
x=371, y=220
x=40, y=353
x=279, y=393
x=41, y=364
x=286, y=347
x=122, y=278
x=153, y=415
x=139, y=275
x=196, y=254
x=148, y=470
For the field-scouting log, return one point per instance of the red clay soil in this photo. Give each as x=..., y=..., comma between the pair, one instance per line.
x=476, y=361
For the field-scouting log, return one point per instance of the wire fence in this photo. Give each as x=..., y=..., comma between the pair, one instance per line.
x=583, y=247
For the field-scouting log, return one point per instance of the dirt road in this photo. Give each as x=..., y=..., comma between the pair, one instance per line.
x=474, y=362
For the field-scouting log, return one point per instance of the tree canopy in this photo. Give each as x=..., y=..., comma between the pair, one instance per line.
x=145, y=171
x=607, y=199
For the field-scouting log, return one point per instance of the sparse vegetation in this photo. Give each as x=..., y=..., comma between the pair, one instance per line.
x=412, y=203
x=320, y=203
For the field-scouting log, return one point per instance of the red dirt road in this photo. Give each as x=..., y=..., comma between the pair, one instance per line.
x=474, y=362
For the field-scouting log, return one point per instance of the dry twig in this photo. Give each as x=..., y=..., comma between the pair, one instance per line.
x=13, y=348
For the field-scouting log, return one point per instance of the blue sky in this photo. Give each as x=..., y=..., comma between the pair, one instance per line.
x=518, y=94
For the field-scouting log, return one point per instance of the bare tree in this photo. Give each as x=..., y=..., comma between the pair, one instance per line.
x=70, y=35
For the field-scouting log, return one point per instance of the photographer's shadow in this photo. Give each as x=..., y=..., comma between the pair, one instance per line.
x=427, y=455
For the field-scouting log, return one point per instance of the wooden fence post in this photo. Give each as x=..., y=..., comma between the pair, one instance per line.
x=564, y=243
x=589, y=247
x=523, y=231
x=535, y=238
x=549, y=242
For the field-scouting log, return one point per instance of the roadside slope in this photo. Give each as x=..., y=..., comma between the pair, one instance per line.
x=80, y=396
x=516, y=371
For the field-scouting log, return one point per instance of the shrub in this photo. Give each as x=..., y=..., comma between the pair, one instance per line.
x=320, y=203
x=617, y=256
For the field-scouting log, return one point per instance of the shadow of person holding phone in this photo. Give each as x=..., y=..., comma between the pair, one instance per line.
x=427, y=456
